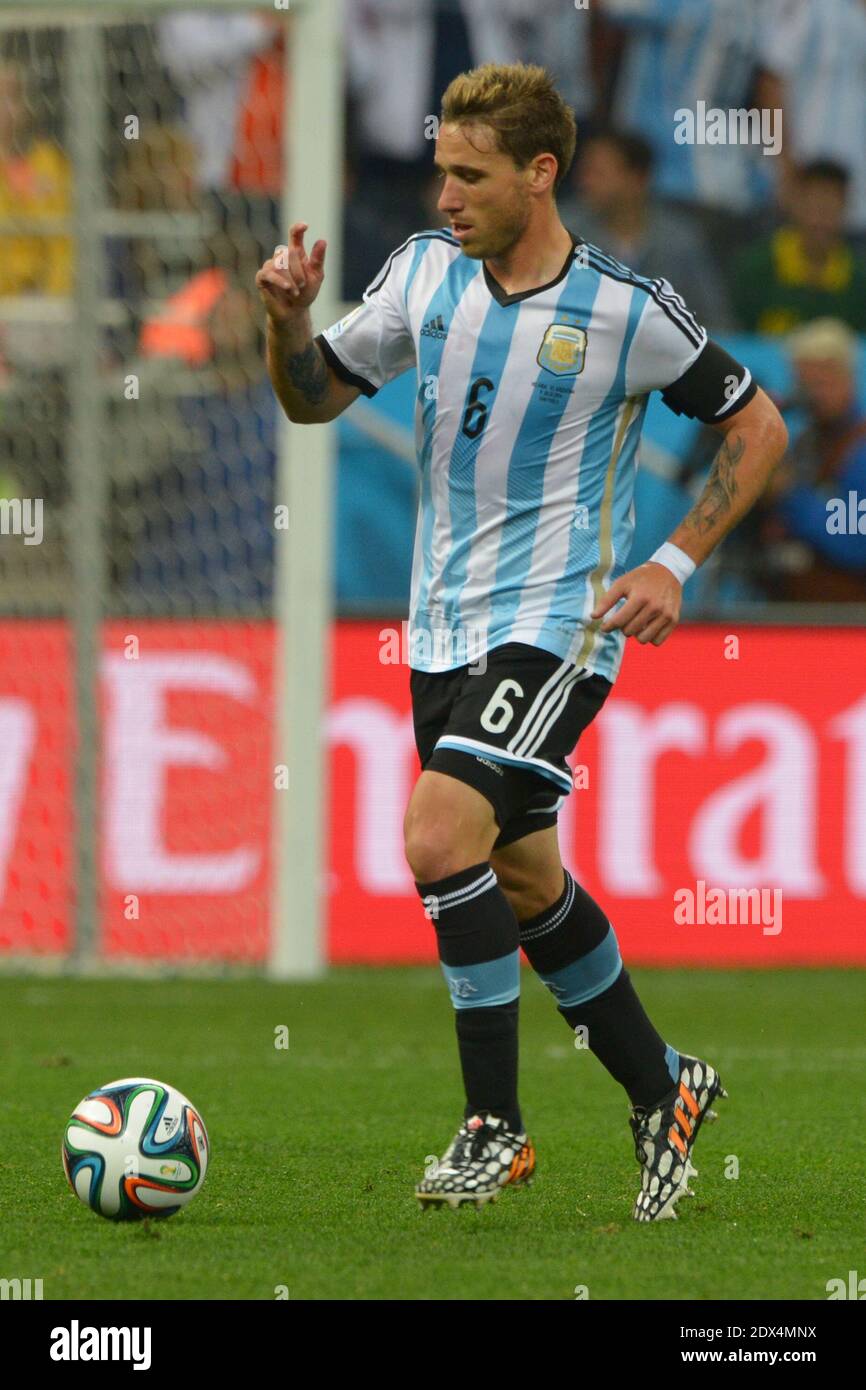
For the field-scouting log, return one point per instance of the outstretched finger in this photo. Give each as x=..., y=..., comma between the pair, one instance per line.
x=317, y=256
x=296, y=236
x=607, y=601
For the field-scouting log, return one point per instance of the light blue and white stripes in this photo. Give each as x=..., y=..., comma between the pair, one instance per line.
x=528, y=413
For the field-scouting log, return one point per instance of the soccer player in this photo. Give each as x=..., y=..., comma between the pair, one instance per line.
x=535, y=356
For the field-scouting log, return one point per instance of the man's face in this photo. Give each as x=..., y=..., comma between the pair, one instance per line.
x=605, y=178
x=483, y=194
x=827, y=386
x=819, y=208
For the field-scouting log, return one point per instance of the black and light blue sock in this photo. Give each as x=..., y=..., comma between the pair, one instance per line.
x=478, y=939
x=573, y=948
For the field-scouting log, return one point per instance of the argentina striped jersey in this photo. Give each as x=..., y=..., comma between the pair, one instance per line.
x=528, y=412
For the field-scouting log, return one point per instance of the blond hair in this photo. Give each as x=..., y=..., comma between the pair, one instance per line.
x=825, y=340
x=521, y=104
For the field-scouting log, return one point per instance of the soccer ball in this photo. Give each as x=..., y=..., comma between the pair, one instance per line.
x=135, y=1148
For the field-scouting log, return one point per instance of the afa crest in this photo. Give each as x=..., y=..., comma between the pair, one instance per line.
x=563, y=348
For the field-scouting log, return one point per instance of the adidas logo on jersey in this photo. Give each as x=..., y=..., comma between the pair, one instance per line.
x=494, y=767
x=435, y=328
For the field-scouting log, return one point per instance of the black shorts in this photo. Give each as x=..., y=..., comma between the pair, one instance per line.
x=507, y=729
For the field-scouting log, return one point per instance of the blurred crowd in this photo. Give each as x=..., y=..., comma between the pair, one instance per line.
x=766, y=235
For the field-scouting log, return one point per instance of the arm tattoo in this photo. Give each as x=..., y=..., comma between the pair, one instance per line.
x=308, y=373
x=715, y=500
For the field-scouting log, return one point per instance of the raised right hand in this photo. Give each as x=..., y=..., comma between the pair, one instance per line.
x=291, y=279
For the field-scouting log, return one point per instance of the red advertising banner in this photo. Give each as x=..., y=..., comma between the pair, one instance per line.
x=188, y=780
x=719, y=816
x=722, y=760
x=37, y=752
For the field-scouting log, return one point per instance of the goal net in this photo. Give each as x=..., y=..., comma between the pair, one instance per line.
x=164, y=584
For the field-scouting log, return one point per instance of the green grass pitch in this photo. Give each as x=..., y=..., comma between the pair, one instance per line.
x=315, y=1149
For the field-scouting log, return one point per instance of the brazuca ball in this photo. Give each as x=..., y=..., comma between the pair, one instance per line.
x=135, y=1148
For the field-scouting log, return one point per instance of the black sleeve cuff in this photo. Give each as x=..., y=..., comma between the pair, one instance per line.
x=341, y=370
x=715, y=387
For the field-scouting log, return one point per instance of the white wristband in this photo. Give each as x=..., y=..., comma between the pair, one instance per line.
x=681, y=565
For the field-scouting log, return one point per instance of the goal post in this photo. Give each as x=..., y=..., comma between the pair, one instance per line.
x=303, y=601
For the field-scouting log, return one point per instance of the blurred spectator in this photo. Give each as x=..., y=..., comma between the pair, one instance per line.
x=679, y=53
x=231, y=72
x=814, y=56
x=614, y=211
x=559, y=38
x=35, y=183
x=808, y=553
x=157, y=174
x=365, y=243
x=199, y=529
x=401, y=55
x=805, y=270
